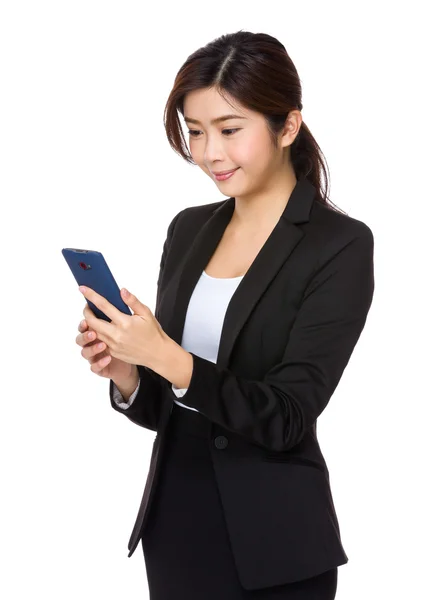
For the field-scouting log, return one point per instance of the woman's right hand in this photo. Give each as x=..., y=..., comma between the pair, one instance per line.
x=100, y=359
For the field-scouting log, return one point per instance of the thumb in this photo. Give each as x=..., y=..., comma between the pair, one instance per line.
x=133, y=302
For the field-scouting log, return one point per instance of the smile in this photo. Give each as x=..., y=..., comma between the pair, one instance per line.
x=225, y=176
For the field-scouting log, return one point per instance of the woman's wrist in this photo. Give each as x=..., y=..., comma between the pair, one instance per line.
x=128, y=386
x=174, y=363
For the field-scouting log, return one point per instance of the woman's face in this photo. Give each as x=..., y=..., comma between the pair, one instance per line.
x=243, y=143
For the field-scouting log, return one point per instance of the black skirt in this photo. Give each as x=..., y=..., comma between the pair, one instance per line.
x=185, y=542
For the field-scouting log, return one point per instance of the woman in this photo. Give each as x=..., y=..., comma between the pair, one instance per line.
x=261, y=299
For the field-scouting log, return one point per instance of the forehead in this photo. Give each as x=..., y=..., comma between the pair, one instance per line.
x=205, y=105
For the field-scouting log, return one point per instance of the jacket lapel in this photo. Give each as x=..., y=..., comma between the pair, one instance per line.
x=276, y=250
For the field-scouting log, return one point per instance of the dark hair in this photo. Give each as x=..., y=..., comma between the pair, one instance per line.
x=256, y=70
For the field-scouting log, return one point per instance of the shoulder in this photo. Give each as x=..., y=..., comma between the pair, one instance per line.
x=327, y=225
x=202, y=210
x=334, y=230
x=195, y=216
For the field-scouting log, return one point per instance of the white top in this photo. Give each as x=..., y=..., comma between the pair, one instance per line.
x=203, y=325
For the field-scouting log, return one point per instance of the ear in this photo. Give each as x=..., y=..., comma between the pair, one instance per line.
x=291, y=127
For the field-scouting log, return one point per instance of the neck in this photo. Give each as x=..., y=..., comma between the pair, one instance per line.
x=263, y=208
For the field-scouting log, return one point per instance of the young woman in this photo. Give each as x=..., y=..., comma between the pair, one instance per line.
x=261, y=299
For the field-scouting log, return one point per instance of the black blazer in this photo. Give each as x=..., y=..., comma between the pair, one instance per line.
x=288, y=334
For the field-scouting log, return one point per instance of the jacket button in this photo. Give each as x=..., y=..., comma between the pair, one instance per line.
x=221, y=442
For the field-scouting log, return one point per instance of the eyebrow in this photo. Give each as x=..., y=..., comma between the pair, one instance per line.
x=217, y=120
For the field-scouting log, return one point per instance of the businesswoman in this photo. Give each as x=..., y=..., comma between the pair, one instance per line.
x=261, y=298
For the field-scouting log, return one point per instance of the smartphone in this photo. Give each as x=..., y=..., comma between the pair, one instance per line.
x=90, y=269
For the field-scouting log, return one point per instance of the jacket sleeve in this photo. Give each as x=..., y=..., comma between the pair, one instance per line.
x=143, y=407
x=277, y=411
x=118, y=398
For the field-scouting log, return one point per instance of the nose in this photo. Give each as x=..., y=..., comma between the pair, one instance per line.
x=213, y=150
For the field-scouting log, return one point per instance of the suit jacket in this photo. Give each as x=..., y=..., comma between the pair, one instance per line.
x=288, y=334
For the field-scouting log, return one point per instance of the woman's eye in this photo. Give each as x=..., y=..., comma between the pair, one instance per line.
x=195, y=132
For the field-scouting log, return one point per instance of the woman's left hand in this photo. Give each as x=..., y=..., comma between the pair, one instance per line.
x=137, y=339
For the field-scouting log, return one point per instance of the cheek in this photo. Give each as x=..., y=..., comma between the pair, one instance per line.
x=251, y=152
x=197, y=153
x=243, y=155
x=191, y=148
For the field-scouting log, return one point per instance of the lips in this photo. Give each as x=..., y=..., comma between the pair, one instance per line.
x=224, y=172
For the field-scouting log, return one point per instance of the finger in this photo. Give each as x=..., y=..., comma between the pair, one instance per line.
x=100, y=364
x=83, y=325
x=83, y=328
x=86, y=338
x=89, y=315
x=91, y=351
x=104, y=305
x=103, y=328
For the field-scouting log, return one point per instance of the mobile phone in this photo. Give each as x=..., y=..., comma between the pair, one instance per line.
x=90, y=269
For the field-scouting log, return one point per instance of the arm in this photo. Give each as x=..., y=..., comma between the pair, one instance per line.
x=119, y=392
x=143, y=406
x=146, y=408
x=277, y=411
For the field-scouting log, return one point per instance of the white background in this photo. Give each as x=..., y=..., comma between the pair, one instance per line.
x=85, y=163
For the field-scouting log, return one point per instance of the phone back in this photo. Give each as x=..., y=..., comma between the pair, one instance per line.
x=90, y=269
